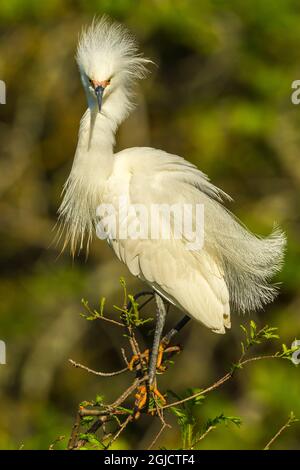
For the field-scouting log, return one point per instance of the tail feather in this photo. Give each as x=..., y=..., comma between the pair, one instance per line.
x=248, y=261
x=249, y=268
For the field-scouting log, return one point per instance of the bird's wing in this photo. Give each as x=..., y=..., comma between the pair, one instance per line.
x=192, y=280
x=233, y=258
x=196, y=287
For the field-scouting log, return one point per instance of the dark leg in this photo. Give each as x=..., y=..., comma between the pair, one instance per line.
x=159, y=345
x=167, y=338
x=160, y=321
x=178, y=327
x=142, y=294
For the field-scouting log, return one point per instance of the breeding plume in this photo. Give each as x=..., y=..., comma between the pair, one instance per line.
x=230, y=272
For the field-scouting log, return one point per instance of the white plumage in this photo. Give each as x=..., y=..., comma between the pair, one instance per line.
x=234, y=267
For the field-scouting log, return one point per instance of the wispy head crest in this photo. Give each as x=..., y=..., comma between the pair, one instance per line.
x=107, y=48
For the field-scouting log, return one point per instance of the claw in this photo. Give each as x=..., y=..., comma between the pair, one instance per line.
x=165, y=350
x=160, y=356
x=157, y=393
x=141, y=397
x=135, y=358
x=146, y=354
x=140, y=400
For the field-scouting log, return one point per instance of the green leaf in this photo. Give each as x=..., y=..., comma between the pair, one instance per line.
x=86, y=420
x=222, y=419
x=99, y=400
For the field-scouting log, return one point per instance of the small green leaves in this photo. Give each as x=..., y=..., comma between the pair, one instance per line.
x=254, y=336
x=99, y=400
x=91, y=442
x=252, y=329
x=85, y=403
x=211, y=424
x=134, y=314
x=86, y=420
x=123, y=284
x=126, y=410
x=222, y=419
x=129, y=312
x=186, y=414
x=192, y=432
x=286, y=353
x=92, y=314
x=101, y=305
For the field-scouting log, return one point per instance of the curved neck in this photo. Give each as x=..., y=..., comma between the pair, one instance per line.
x=95, y=146
x=94, y=153
x=92, y=166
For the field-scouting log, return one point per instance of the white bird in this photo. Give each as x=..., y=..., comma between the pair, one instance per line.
x=233, y=268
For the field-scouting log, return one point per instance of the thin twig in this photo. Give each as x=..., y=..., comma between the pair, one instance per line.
x=109, y=320
x=92, y=430
x=58, y=439
x=135, y=348
x=102, y=374
x=220, y=382
x=127, y=392
x=158, y=435
x=124, y=425
x=202, y=436
x=290, y=421
x=124, y=356
x=104, y=415
x=96, y=316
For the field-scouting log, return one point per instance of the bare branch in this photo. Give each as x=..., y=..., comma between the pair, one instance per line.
x=102, y=374
x=158, y=435
x=219, y=382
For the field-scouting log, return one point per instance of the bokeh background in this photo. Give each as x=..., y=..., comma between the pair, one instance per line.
x=221, y=97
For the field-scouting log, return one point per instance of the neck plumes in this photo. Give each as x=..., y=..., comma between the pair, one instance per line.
x=92, y=166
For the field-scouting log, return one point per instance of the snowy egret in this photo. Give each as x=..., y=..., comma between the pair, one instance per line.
x=231, y=271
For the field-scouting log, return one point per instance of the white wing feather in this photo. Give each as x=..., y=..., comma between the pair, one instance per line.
x=191, y=280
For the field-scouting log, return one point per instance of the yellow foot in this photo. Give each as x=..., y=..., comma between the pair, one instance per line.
x=141, y=399
x=145, y=356
x=171, y=350
x=136, y=358
x=157, y=394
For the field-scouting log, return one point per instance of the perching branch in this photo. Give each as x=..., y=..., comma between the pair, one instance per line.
x=137, y=399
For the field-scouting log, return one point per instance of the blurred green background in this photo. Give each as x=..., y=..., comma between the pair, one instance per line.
x=219, y=96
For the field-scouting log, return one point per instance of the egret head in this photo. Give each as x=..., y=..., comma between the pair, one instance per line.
x=108, y=60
